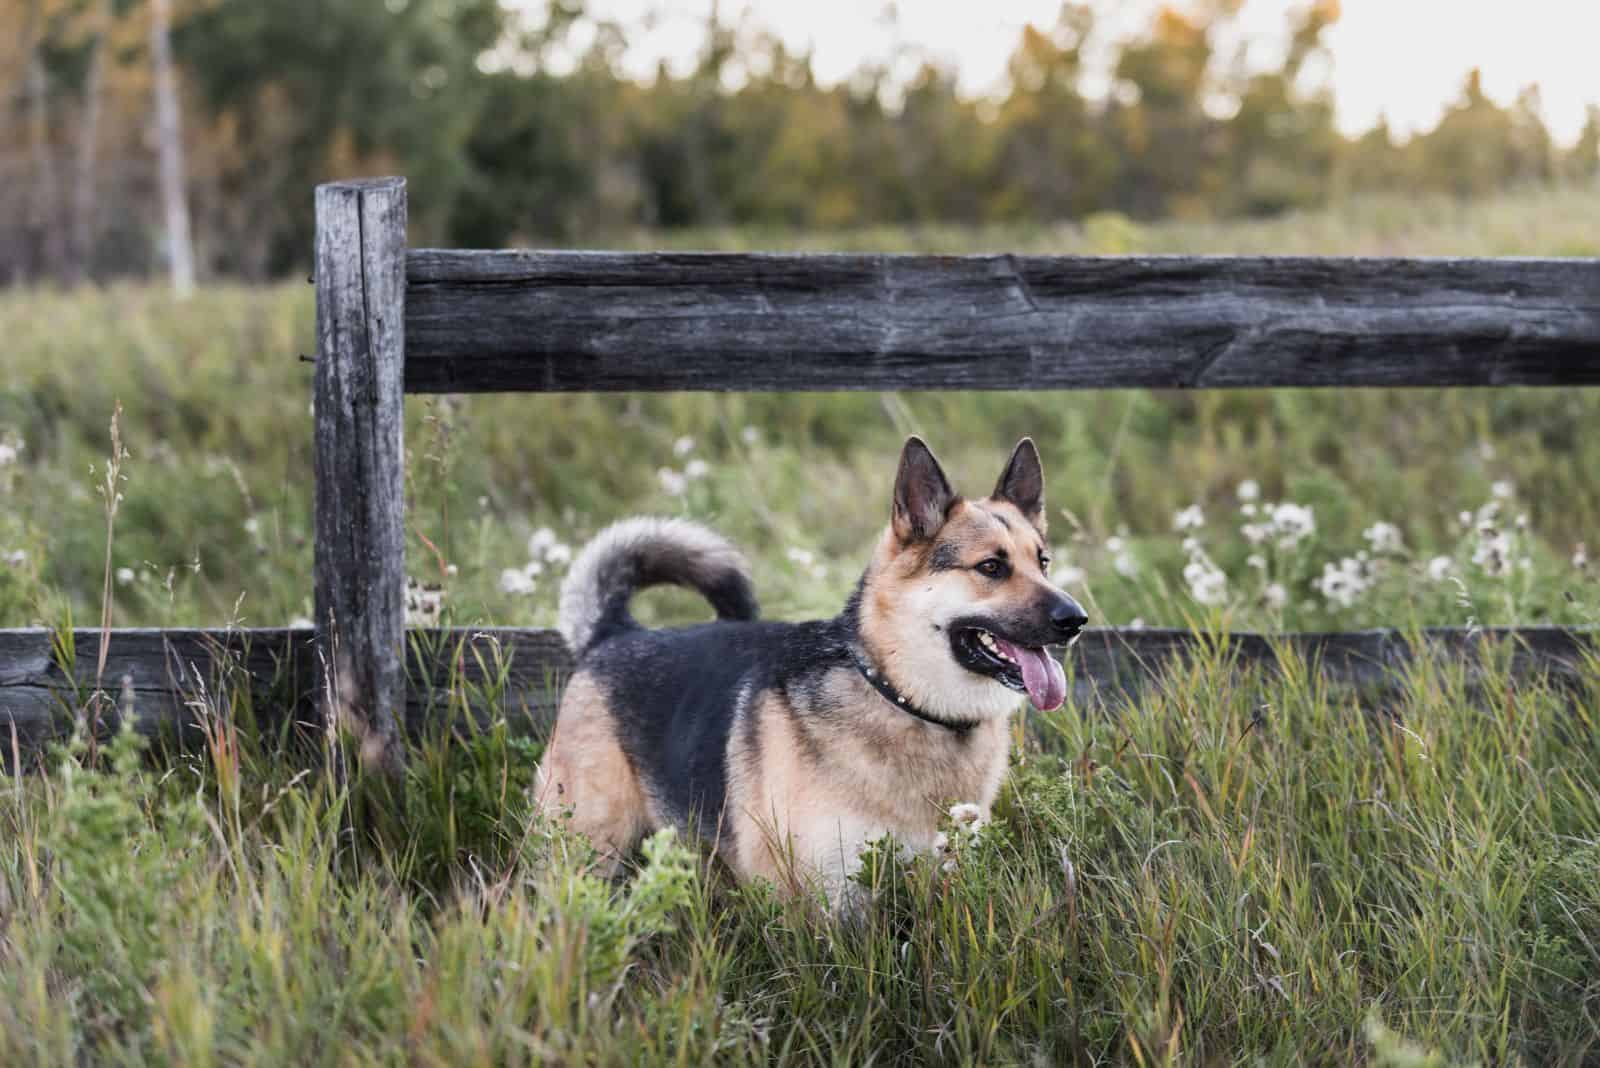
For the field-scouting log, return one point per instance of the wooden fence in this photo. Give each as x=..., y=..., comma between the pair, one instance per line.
x=392, y=320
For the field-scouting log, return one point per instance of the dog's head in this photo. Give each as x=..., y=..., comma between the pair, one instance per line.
x=957, y=606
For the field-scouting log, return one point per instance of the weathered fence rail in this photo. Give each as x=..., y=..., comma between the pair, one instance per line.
x=172, y=681
x=391, y=321
x=549, y=321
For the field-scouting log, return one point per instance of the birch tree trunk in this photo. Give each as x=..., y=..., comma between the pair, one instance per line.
x=169, y=135
x=85, y=209
x=44, y=222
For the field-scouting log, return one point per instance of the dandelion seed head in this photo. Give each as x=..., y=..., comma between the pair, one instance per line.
x=124, y=576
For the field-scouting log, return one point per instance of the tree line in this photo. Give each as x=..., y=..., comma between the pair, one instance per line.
x=521, y=127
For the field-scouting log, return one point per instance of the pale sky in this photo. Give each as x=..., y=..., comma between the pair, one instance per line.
x=1402, y=58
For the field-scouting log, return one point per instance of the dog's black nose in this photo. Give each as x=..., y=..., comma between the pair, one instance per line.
x=1068, y=617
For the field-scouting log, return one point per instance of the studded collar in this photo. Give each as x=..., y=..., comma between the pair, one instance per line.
x=881, y=683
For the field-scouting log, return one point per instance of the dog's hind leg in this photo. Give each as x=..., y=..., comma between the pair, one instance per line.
x=587, y=778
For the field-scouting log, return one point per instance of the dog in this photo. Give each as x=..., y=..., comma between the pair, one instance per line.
x=790, y=746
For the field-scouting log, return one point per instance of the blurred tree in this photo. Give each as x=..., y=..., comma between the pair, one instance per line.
x=1169, y=146
x=308, y=90
x=1053, y=158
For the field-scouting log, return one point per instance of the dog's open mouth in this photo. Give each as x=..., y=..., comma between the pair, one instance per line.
x=1025, y=668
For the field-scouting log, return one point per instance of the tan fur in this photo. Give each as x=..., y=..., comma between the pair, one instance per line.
x=818, y=784
x=585, y=773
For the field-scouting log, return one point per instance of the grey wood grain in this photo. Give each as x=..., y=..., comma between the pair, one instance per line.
x=561, y=321
x=359, y=415
x=267, y=679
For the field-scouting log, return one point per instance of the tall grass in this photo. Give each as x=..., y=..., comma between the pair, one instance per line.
x=1236, y=867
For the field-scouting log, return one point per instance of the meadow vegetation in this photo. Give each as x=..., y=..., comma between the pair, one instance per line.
x=1233, y=867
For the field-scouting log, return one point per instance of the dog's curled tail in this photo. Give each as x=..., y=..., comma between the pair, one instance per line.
x=635, y=553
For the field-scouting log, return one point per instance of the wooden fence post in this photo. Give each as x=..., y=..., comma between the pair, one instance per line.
x=359, y=416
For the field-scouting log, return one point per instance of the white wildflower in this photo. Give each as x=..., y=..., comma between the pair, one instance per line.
x=1207, y=582
x=540, y=541
x=1136, y=623
x=301, y=623
x=671, y=481
x=16, y=558
x=750, y=435
x=252, y=526
x=683, y=447
x=1275, y=596
x=1343, y=583
x=1291, y=522
x=1249, y=490
x=696, y=468
x=451, y=570
x=1580, y=556
x=1493, y=554
x=1191, y=518
x=1068, y=575
x=1440, y=568
x=424, y=604
x=559, y=553
x=124, y=576
x=1122, y=561
x=1255, y=533
x=1522, y=521
x=1464, y=519
x=533, y=569
x=801, y=557
x=1384, y=538
x=1248, y=510
x=1191, y=545
x=514, y=581
x=1502, y=490
x=8, y=453
x=1257, y=561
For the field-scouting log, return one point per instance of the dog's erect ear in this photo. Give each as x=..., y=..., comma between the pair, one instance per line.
x=1022, y=482
x=922, y=495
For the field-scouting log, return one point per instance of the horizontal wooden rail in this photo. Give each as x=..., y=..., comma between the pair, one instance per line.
x=599, y=321
x=177, y=678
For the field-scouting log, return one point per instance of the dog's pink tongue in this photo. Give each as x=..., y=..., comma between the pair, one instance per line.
x=1041, y=675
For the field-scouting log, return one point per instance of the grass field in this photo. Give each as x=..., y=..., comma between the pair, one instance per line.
x=1233, y=868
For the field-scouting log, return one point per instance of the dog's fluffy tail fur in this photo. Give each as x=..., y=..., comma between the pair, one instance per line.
x=635, y=553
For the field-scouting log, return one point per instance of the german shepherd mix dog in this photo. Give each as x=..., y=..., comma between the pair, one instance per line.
x=792, y=745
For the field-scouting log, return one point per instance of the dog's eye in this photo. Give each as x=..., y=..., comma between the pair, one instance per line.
x=993, y=568
x=1044, y=563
